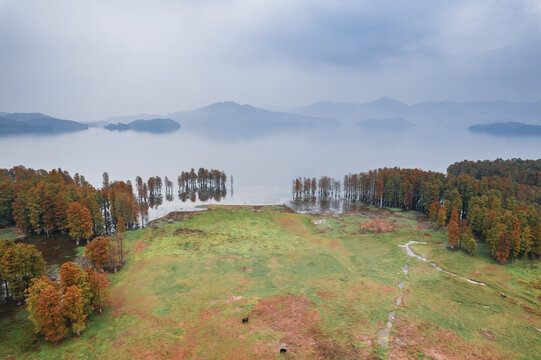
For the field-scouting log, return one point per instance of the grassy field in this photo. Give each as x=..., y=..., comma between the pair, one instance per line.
x=319, y=286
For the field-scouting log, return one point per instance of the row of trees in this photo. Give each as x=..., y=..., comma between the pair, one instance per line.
x=56, y=307
x=43, y=201
x=204, y=179
x=40, y=201
x=502, y=210
x=325, y=188
x=203, y=185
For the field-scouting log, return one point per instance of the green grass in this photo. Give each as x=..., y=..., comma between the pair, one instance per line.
x=182, y=293
x=8, y=234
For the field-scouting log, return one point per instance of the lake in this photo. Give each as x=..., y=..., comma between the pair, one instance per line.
x=263, y=167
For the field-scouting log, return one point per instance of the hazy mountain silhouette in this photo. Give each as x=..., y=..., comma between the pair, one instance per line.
x=231, y=120
x=507, y=129
x=353, y=112
x=28, y=123
x=434, y=112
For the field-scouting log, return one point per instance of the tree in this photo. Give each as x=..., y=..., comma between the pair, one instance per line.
x=504, y=246
x=20, y=263
x=526, y=241
x=6, y=200
x=79, y=222
x=514, y=238
x=98, y=283
x=4, y=245
x=452, y=228
x=69, y=274
x=442, y=216
x=44, y=305
x=119, y=237
x=468, y=240
x=433, y=211
x=493, y=237
x=97, y=251
x=121, y=225
x=73, y=308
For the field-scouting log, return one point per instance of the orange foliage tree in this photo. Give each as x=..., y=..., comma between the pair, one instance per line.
x=44, y=305
x=97, y=251
x=79, y=222
x=73, y=308
x=56, y=307
x=452, y=228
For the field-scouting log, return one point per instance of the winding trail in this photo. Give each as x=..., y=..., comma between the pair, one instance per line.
x=412, y=254
x=383, y=334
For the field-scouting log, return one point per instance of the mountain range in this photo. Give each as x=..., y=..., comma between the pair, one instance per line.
x=36, y=123
x=438, y=112
x=230, y=120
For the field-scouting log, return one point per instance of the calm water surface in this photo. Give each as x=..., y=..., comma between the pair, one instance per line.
x=262, y=167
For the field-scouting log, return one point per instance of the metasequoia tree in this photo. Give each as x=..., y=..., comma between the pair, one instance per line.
x=452, y=228
x=79, y=222
x=19, y=263
x=56, y=307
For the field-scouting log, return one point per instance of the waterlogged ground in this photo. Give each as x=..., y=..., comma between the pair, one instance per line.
x=321, y=287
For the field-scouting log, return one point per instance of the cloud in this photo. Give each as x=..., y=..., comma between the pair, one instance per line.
x=91, y=59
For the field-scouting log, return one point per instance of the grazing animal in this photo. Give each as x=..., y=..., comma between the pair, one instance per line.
x=283, y=351
x=503, y=295
x=243, y=268
x=245, y=320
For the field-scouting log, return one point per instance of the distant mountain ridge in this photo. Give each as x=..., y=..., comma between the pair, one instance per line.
x=231, y=120
x=36, y=123
x=439, y=112
x=234, y=120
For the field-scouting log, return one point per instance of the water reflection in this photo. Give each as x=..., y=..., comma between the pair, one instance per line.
x=56, y=248
x=333, y=206
x=263, y=167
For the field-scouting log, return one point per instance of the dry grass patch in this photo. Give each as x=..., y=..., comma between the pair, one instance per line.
x=378, y=226
x=414, y=338
x=296, y=319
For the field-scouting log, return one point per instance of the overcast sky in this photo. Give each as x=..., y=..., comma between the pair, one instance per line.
x=87, y=60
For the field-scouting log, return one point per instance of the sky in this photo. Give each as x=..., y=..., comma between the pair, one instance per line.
x=88, y=60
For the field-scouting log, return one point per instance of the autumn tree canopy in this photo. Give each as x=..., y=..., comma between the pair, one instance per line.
x=19, y=264
x=42, y=201
x=55, y=308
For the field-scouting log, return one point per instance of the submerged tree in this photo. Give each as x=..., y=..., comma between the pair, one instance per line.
x=204, y=185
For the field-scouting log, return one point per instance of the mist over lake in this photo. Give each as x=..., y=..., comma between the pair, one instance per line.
x=262, y=166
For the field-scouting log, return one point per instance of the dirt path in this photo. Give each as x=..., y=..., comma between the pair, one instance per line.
x=412, y=254
x=383, y=334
